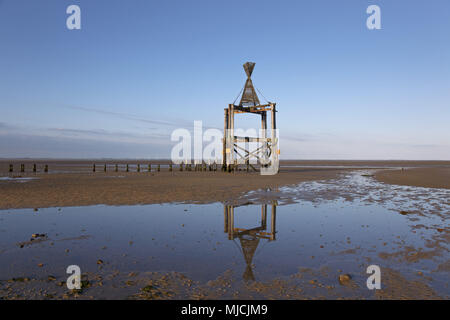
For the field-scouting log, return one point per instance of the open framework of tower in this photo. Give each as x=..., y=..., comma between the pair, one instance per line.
x=267, y=151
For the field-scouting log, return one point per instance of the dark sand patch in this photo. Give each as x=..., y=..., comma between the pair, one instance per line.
x=417, y=177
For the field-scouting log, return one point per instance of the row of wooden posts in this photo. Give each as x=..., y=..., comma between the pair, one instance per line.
x=22, y=168
x=173, y=167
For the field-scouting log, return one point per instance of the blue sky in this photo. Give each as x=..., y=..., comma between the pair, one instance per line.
x=137, y=70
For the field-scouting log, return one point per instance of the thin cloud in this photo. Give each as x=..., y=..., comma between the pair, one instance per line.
x=133, y=117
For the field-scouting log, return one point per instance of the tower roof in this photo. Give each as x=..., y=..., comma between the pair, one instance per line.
x=249, y=96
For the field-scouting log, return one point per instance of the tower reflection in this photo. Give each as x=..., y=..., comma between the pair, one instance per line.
x=249, y=238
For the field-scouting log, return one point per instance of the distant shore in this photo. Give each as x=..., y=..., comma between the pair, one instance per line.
x=72, y=182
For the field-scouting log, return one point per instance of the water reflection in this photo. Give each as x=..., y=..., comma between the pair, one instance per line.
x=249, y=238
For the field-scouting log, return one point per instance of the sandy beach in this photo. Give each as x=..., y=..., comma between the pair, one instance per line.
x=71, y=183
x=417, y=177
x=169, y=234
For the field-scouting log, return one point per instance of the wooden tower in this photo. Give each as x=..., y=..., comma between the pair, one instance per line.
x=267, y=151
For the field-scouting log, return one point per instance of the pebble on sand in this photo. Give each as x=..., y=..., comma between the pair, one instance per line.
x=38, y=235
x=344, y=278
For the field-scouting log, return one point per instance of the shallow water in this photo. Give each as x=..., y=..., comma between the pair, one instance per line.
x=17, y=179
x=327, y=227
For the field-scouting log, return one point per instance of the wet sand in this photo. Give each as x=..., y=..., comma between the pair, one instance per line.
x=72, y=182
x=324, y=230
x=335, y=227
x=62, y=190
x=417, y=177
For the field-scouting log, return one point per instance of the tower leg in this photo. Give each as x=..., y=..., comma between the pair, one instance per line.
x=273, y=222
x=225, y=142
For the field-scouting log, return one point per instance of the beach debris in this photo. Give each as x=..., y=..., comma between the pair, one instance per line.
x=85, y=284
x=344, y=279
x=38, y=235
x=130, y=283
x=20, y=279
x=51, y=278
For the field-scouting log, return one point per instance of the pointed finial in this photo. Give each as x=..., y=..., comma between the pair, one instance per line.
x=248, y=67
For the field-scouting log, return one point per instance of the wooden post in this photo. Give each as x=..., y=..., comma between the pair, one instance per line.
x=128, y=168
x=264, y=121
x=264, y=216
x=138, y=168
x=46, y=168
x=274, y=122
x=34, y=168
x=273, y=218
x=232, y=133
x=116, y=168
x=104, y=167
x=11, y=167
x=224, y=140
x=149, y=167
x=276, y=152
x=231, y=223
x=170, y=167
x=93, y=167
x=159, y=168
x=181, y=166
x=225, y=218
x=22, y=168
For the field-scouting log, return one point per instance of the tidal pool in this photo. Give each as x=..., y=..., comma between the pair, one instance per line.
x=303, y=236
